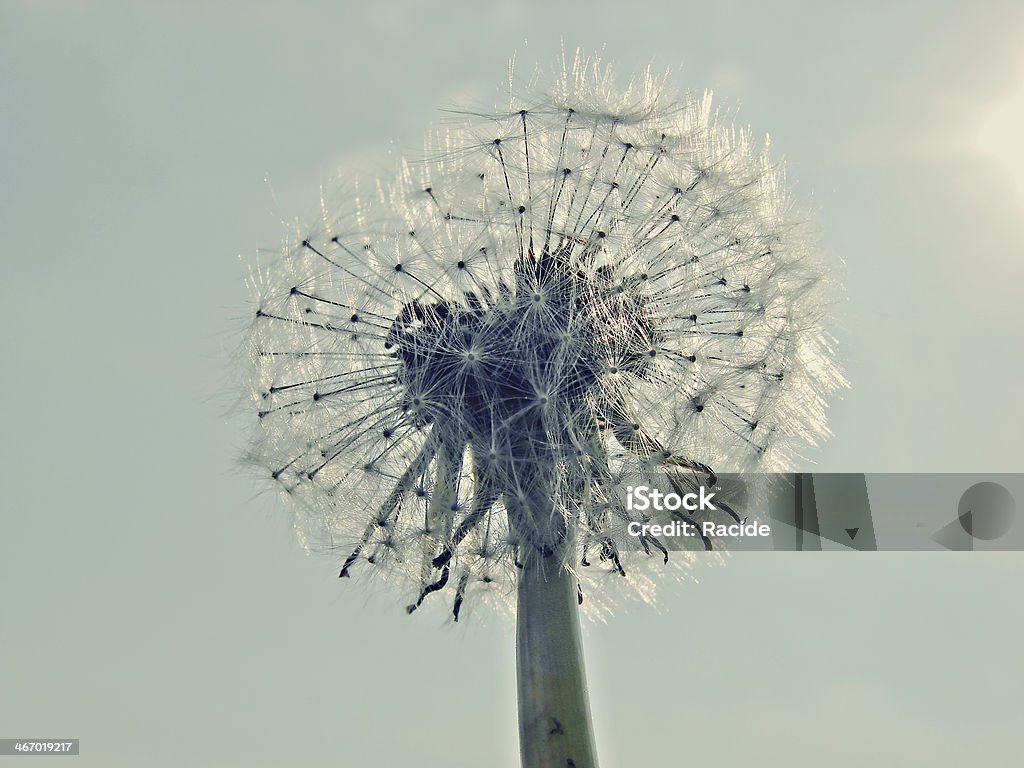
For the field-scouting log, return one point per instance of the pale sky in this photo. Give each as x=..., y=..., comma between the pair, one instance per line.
x=155, y=602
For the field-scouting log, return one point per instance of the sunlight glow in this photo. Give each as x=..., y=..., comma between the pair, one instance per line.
x=998, y=135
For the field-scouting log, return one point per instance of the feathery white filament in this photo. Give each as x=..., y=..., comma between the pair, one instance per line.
x=452, y=376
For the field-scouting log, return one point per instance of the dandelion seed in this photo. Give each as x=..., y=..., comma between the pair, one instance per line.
x=453, y=375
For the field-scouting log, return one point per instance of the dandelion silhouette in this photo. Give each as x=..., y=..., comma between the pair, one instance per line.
x=453, y=374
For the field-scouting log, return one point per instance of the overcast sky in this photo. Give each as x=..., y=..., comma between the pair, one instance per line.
x=154, y=602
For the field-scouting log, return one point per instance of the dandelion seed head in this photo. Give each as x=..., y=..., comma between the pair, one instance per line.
x=453, y=374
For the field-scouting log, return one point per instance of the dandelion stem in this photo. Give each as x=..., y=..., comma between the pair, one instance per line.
x=554, y=714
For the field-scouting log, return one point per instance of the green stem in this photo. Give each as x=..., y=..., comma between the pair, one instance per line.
x=554, y=716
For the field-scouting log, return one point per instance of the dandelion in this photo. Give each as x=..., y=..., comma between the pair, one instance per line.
x=454, y=373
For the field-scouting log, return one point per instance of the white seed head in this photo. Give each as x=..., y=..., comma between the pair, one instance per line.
x=454, y=375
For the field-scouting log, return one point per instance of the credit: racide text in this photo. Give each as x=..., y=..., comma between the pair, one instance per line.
x=642, y=498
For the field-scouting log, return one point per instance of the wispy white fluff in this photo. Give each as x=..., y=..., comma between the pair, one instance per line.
x=453, y=374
